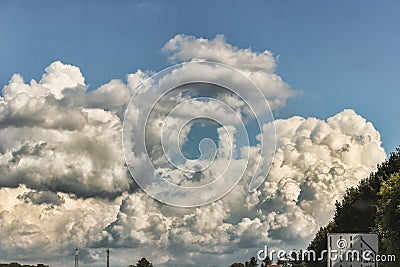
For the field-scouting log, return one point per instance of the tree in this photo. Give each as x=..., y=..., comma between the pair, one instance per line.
x=253, y=262
x=266, y=262
x=388, y=216
x=373, y=205
x=143, y=262
x=16, y=264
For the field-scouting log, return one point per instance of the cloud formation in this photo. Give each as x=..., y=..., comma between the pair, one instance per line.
x=259, y=67
x=64, y=182
x=47, y=143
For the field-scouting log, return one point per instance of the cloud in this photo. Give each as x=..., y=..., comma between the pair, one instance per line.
x=57, y=77
x=311, y=170
x=51, y=145
x=184, y=47
x=31, y=223
x=259, y=67
x=64, y=182
x=42, y=197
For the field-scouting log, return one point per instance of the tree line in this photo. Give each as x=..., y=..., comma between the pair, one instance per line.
x=15, y=264
x=250, y=263
x=371, y=206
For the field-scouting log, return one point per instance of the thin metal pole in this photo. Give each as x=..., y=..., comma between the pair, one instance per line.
x=76, y=257
x=108, y=257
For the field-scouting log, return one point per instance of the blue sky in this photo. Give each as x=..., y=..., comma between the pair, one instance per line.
x=341, y=54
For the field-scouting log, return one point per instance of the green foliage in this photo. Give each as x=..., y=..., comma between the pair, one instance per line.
x=371, y=206
x=12, y=264
x=143, y=262
x=388, y=216
x=15, y=264
x=266, y=262
x=253, y=262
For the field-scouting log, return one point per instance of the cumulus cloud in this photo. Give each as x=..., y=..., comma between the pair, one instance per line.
x=184, y=47
x=48, y=144
x=257, y=66
x=311, y=170
x=64, y=182
x=31, y=222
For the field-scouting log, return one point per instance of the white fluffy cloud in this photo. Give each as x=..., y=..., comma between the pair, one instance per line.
x=64, y=182
x=257, y=66
x=48, y=143
x=184, y=47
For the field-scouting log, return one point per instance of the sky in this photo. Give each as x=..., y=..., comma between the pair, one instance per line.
x=340, y=54
x=328, y=73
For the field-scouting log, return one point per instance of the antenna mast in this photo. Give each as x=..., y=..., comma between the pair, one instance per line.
x=76, y=257
x=108, y=257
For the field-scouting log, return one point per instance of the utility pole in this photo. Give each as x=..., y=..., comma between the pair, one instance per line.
x=108, y=257
x=76, y=257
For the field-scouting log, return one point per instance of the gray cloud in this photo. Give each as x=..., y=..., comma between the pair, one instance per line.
x=42, y=197
x=48, y=143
